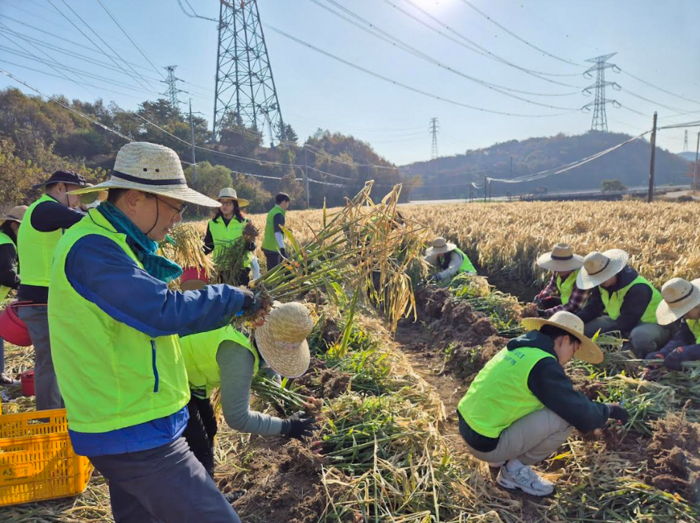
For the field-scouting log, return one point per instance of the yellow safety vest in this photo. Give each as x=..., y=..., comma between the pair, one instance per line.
x=613, y=303
x=5, y=240
x=566, y=287
x=694, y=326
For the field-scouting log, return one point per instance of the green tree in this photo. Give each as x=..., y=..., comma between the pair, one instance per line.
x=613, y=186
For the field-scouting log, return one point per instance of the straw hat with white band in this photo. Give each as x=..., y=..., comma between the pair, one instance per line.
x=601, y=266
x=228, y=194
x=588, y=351
x=14, y=215
x=561, y=259
x=680, y=297
x=439, y=246
x=153, y=169
x=282, y=339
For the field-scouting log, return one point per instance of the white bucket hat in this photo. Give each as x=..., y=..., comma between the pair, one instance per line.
x=439, y=246
x=601, y=266
x=561, y=259
x=14, y=215
x=153, y=169
x=588, y=351
x=282, y=339
x=680, y=297
x=230, y=194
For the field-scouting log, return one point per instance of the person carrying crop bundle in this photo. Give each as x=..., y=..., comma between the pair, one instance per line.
x=273, y=241
x=681, y=301
x=561, y=293
x=448, y=260
x=226, y=227
x=43, y=226
x=114, y=333
x=226, y=358
x=621, y=300
x=522, y=406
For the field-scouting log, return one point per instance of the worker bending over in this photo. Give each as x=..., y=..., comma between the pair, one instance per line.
x=447, y=260
x=561, y=293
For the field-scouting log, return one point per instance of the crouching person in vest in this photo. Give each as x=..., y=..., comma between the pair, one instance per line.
x=114, y=337
x=448, y=260
x=522, y=406
x=681, y=301
x=226, y=358
x=561, y=293
x=621, y=300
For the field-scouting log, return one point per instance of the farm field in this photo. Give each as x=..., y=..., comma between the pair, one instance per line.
x=391, y=450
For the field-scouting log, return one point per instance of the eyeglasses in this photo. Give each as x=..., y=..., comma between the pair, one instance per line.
x=180, y=211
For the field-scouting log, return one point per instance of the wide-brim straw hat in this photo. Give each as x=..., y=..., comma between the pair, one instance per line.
x=14, y=215
x=229, y=194
x=151, y=168
x=601, y=266
x=282, y=339
x=561, y=259
x=680, y=297
x=439, y=246
x=566, y=321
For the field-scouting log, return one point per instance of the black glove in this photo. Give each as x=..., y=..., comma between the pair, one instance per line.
x=250, y=302
x=250, y=246
x=299, y=426
x=618, y=413
x=675, y=358
x=283, y=252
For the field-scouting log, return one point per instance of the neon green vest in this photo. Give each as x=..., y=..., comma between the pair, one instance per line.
x=36, y=249
x=613, y=304
x=467, y=265
x=567, y=286
x=111, y=376
x=694, y=326
x=269, y=241
x=499, y=395
x=5, y=240
x=224, y=235
x=199, y=351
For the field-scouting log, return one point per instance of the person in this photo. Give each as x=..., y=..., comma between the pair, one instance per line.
x=43, y=226
x=681, y=302
x=522, y=406
x=273, y=241
x=9, y=275
x=226, y=227
x=621, y=300
x=226, y=358
x=561, y=293
x=114, y=327
x=448, y=260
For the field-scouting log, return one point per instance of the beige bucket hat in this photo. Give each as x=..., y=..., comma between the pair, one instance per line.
x=14, y=215
x=150, y=168
x=230, y=194
x=282, y=339
x=588, y=351
x=680, y=297
x=601, y=266
x=561, y=259
x=439, y=246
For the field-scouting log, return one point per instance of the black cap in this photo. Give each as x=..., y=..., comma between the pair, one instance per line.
x=63, y=177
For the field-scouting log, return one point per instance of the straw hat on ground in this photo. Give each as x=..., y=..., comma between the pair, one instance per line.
x=282, y=339
x=439, y=246
x=561, y=259
x=14, y=215
x=601, y=266
x=680, y=297
x=153, y=169
x=588, y=351
x=229, y=194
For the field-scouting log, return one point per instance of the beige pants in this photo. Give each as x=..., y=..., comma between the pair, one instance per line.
x=530, y=439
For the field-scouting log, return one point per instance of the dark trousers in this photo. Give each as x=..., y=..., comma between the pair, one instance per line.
x=273, y=259
x=163, y=485
x=200, y=431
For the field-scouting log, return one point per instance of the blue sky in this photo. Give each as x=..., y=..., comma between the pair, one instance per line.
x=655, y=41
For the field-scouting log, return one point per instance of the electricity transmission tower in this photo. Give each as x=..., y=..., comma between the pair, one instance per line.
x=434, y=129
x=600, y=119
x=171, y=82
x=685, y=141
x=244, y=82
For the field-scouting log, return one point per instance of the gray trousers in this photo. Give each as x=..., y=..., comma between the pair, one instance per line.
x=45, y=383
x=644, y=339
x=163, y=485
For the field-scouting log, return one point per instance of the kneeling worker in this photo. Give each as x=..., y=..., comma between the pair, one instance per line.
x=226, y=358
x=522, y=406
x=561, y=293
x=448, y=260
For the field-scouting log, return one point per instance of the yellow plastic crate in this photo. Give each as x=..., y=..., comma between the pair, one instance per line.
x=37, y=461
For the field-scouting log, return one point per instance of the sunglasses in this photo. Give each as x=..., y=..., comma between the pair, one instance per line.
x=179, y=210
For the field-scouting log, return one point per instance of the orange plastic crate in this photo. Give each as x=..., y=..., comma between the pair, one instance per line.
x=37, y=461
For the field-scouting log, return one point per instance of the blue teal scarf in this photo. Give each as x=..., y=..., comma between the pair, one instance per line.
x=145, y=249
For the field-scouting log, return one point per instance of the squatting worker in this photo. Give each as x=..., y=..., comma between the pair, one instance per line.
x=273, y=241
x=226, y=358
x=42, y=227
x=114, y=334
x=561, y=293
x=522, y=406
x=447, y=260
x=621, y=300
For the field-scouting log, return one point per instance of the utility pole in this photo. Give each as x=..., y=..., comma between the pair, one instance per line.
x=486, y=187
x=434, y=129
x=685, y=141
x=650, y=195
x=306, y=179
x=194, y=158
x=600, y=119
x=695, y=170
x=511, y=167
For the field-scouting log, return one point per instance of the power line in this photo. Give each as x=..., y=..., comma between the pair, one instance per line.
x=194, y=13
x=659, y=88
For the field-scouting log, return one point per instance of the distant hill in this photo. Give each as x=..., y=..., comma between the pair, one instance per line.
x=688, y=156
x=449, y=177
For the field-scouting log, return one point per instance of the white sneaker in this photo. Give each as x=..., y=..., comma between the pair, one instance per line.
x=526, y=480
